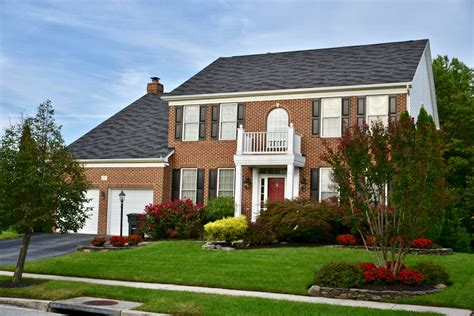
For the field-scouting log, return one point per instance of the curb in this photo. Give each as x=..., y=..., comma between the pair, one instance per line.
x=39, y=305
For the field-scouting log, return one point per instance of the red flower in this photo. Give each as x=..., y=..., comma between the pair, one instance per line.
x=410, y=277
x=424, y=243
x=389, y=265
x=117, y=241
x=379, y=275
x=346, y=239
x=366, y=265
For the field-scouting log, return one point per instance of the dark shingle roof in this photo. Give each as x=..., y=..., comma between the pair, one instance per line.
x=138, y=131
x=341, y=66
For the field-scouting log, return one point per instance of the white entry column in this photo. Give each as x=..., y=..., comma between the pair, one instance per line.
x=238, y=191
x=290, y=181
x=255, y=194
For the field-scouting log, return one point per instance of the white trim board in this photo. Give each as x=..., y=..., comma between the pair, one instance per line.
x=288, y=94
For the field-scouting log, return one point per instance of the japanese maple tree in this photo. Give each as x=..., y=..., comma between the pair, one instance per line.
x=391, y=180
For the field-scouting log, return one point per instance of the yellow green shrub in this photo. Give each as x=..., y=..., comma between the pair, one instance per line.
x=228, y=229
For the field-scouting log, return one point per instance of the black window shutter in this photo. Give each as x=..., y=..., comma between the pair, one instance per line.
x=240, y=115
x=316, y=112
x=176, y=182
x=215, y=122
x=345, y=115
x=392, y=109
x=360, y=112
x=202, y=121
x=212, y=183
x=314, y=185
x=178, y=122
x=200, y=187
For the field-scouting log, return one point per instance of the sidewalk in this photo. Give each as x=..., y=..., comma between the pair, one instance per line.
x=266, y=295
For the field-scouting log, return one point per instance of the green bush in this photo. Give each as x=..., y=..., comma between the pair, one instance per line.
x=259, y=233
x=454, y=234
x=228, y=229
x=300, y=220
x=218, y=208
x=339, y=275
x=433, y=273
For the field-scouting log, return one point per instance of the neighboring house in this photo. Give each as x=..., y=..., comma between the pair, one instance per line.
x=252, y=127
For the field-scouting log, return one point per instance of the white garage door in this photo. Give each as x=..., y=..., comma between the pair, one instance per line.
x=135, y=201
x=93, y=211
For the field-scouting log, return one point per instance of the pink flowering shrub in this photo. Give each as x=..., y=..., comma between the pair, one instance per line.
x=179, y=218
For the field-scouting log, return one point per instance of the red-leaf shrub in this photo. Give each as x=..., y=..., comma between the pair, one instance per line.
x=370, y=241
x=366, y=265
x=178, y=218
x=397, y=241
x=117, y=241
x=379, y=275
x=424, y=243
x=410, y=277
x=347, y=239
x=98, y=241
x=134, y=240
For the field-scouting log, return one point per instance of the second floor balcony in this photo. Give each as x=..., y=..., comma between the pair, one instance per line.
x=265, y=143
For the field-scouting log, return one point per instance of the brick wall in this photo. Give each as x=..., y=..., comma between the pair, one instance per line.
x=127, y=178
x=210, y=154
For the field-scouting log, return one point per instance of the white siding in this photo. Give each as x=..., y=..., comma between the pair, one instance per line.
x=91, y=224
x=422, y=93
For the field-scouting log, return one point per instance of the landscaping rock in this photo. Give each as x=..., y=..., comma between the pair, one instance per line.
x=365, y=294
x=415, y=251
x=314, y=290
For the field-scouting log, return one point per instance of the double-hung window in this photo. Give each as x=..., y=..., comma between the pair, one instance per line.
x=328, y=188
x=191, y=122
x=331, y=117
x=377, y=109
x=228, y=121
x=189, y=184
x=225, y=186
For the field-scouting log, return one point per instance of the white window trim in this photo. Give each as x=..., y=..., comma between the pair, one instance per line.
x=233, y=180
x=322, y=117
x=367, y=106
x=184, y=123
x=181, y=182
x=320, y=181
x=235, y=119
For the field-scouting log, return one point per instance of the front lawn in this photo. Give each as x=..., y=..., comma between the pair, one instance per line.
x=183, y=303
x=286, y=270
x=7, y=234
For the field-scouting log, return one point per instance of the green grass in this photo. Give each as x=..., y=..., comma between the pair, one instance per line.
x=285, y=270
x=182, y=303
x=7, y=234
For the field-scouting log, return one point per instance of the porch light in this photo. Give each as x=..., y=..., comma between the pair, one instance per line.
x=102, y=195
x=122, y=196
x=247, y=182
x=303, y=183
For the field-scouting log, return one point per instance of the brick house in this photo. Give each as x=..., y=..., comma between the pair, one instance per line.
x=252, y=127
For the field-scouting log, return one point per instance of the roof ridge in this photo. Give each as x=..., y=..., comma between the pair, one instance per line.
x=324, y=48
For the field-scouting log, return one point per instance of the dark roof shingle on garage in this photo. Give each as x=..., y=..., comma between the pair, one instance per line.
x=138, y=131
x=341, y=66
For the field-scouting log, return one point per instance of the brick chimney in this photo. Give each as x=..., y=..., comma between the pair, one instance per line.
x=154, y=86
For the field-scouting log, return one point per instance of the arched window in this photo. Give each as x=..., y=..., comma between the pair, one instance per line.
x=277, y=129
x=277, y=120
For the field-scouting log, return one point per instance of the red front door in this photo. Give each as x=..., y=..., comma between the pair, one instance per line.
x=276, y=189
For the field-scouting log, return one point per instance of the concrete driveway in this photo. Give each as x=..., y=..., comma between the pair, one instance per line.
x=42, y=246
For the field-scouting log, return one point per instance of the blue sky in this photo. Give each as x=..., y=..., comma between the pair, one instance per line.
x=92, y=58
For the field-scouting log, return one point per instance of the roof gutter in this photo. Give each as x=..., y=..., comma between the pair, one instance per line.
x=283, y=91
x=127, y=162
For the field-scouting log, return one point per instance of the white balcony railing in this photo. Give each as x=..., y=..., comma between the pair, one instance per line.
x=249, y=143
